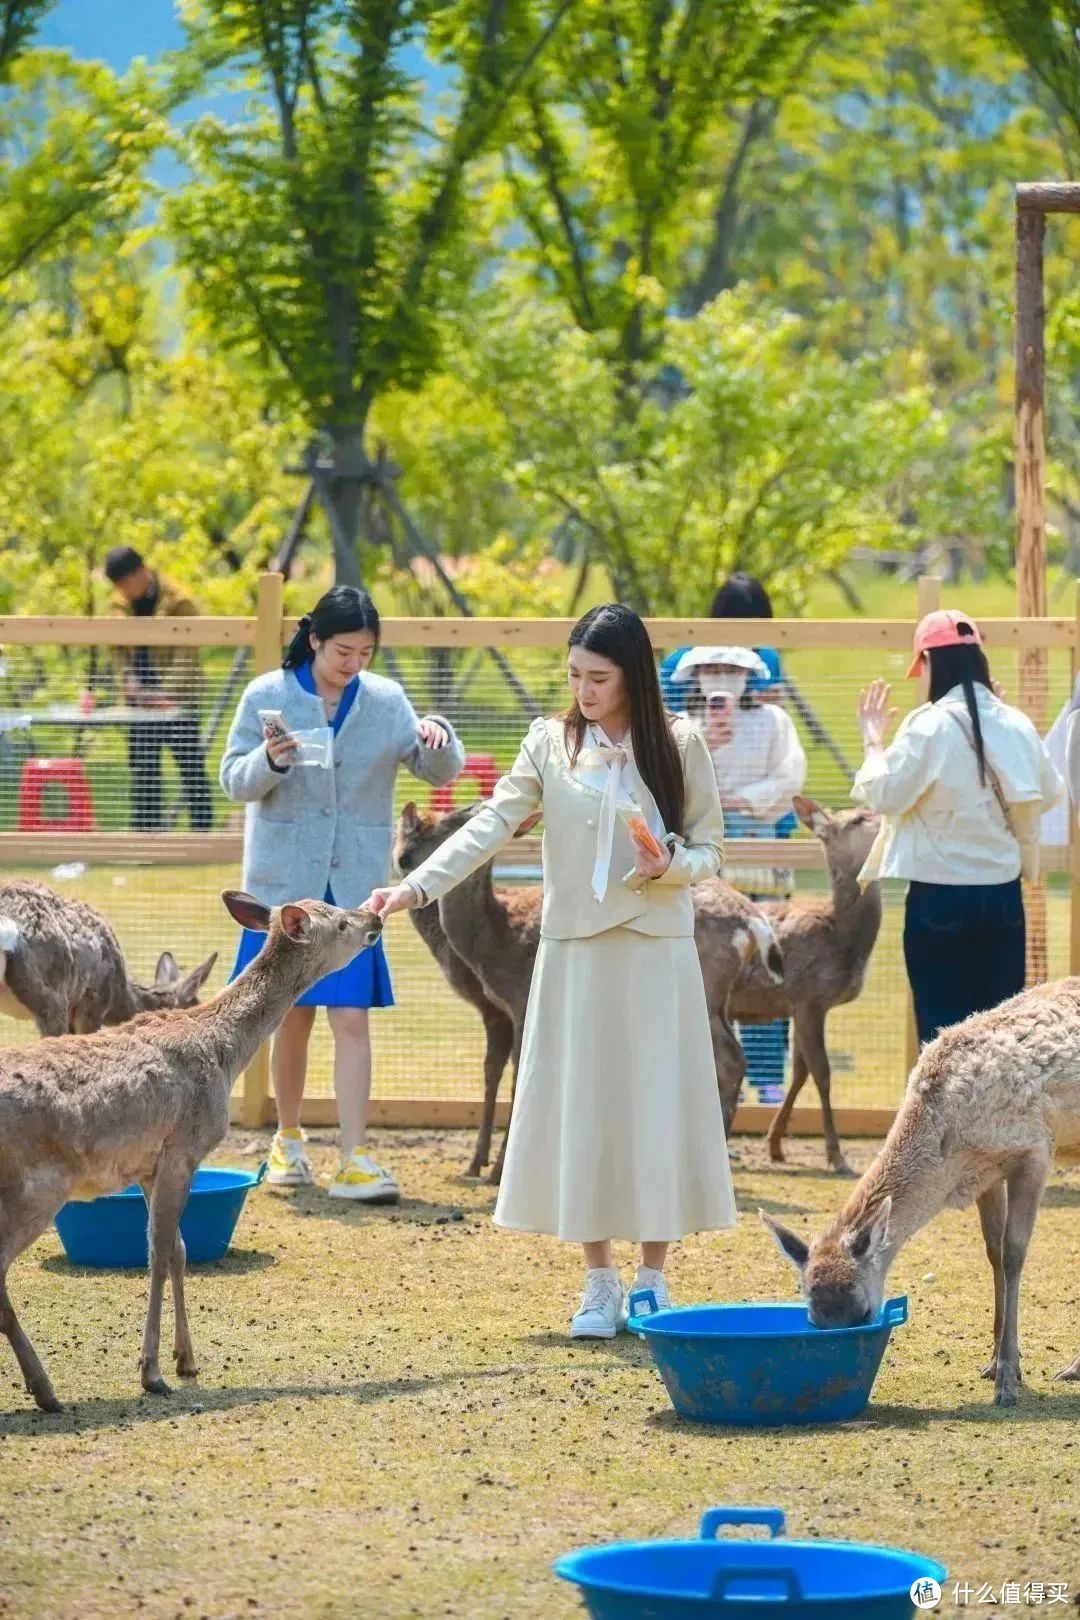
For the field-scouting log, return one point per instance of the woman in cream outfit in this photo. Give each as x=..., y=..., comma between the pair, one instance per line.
x=617, y=1130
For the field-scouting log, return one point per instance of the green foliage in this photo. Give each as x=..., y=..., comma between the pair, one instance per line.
x=320, y=233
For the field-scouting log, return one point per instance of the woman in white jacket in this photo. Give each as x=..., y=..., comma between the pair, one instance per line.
x=617, y=1130
x=961, y=791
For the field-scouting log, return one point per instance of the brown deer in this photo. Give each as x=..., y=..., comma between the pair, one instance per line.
x=987, y=1106
x=84, y=1115
x=61, y=965
x=826, y=947
x=495, y=934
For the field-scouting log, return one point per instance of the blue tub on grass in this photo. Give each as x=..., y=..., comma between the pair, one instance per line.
x=747, y=1579
x=111, y=1231
x=756, y=1365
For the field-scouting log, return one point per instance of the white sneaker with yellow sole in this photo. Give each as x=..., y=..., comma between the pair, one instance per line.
x=359, y=1177
x=288, y=1163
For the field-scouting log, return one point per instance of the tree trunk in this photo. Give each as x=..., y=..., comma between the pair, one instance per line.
x=347, y=496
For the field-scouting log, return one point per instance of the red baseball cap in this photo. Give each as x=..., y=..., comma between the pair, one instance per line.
x=947, y=627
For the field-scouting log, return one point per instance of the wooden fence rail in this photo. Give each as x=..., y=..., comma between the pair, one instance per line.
x=267, y=631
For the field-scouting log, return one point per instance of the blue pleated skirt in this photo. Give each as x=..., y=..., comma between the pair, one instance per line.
x=363, y=982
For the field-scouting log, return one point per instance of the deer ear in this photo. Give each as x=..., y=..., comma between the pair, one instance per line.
x=166, y=973
x=410, y=819
x=296, y=922
x=196, y=979
x=790, y=1244
x=811, y=814
x=865, y=1239
x=246, y=910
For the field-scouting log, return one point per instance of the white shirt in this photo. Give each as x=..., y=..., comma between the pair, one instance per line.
x=763, y=763
x=941, y=824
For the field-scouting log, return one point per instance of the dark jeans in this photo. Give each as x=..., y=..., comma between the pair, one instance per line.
x=964, y=950
x=146, y=742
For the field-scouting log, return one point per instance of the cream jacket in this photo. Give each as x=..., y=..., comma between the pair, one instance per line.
x=940, y=824
x=541, y=778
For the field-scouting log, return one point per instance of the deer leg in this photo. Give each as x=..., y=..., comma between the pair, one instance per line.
x=168, y=1196
x=800, y=1073
x=35, y=1377
x=1025, y=1190
x=810, y=1024
x=495, y=1177
x=993, y=1204
x=499, y=1031
x=730, y=1061
x=183, y=1354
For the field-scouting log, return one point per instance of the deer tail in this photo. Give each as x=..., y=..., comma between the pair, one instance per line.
x=9, y=940
x=768, y=947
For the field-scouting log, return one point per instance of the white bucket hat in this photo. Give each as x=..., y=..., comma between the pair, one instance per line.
x=739, y=657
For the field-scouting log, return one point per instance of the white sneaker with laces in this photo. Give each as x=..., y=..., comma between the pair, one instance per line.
x=602, y=1312
x=648, y=1278
x=287, y=1161
x=360, y=1178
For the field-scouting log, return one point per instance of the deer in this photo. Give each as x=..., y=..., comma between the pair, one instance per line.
x=494, y=935
x=826, y=949
x=61, y=965
x=987, y=1107
x=143, y=1103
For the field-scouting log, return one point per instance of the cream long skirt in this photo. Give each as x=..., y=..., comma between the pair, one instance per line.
x=617, y=1130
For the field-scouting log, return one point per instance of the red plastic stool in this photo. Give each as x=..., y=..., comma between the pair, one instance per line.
x=69, y=774
x=479, y=768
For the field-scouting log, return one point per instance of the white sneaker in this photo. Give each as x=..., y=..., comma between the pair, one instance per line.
x=602, y=1312
x=652, y=1280
x=287, y=1162
x=359, y=1177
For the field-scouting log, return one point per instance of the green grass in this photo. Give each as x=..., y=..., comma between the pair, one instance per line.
x=389, y=1421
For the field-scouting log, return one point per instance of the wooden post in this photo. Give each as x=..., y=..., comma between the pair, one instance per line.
x=928, y=600
x=269, y=636
x=1030, y=513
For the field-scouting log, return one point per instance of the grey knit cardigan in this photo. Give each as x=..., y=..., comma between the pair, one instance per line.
x=308, y=826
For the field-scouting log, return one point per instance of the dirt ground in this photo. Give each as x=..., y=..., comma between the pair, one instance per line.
x=390, y=1421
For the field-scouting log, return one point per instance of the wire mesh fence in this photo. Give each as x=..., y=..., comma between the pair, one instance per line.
x=79, y=756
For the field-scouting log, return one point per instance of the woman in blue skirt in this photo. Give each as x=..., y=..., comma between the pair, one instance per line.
x=319, y=822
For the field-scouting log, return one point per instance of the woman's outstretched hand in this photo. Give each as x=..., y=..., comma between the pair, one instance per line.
x=874, y=714
x=432, y=735
x=384, y=902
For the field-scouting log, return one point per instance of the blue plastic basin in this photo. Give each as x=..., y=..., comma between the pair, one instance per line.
x=755, y=1365
x=111, y=1231
x=747, y=1579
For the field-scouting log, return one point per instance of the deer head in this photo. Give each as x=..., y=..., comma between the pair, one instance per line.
x=846, y=834
x=170, y=988
x=842, y=1272
x=331, y=935
x=419, y=833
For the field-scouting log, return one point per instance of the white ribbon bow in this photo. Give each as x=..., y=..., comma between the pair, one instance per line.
x=615, y=758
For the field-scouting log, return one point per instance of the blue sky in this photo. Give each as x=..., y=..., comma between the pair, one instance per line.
x=115, y=30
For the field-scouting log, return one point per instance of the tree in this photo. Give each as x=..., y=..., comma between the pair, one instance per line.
x=324, y=234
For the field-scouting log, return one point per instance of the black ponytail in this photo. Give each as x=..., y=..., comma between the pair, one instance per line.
x=962, y=666
x=342, y=611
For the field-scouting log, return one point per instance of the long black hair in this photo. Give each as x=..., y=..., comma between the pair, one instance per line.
x=341, y=612
x=741, y=597
x=962, y=666
x=617, y=633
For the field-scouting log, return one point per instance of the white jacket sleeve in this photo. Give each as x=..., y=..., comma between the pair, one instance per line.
x=890, y=780
x=493, y=826
x=702, y=853
x=770, y=797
